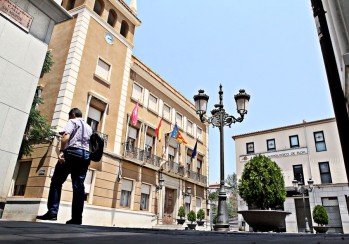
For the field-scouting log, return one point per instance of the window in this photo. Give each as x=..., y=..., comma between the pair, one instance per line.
x=271, y=144
x=325, y=172
x=145, y=192
x=294, y=142
x=319, y=141
x=179, y=120
x=137, y=92
x=198, y=204
x=102, y=70
x=298, y=173
x=22, y=178
x=131, y=139
x=167, y=112
x=199, y=166
x=124, y=29
x=190, y=127
x=149, y=140
x=70, y=4
x=98, y=7
x=153, y=103
x=112, y=18
x=126, y=190
x=250, y=147
x=188, y=159
x=93, y=118
x=171, y=153
x=199, y=133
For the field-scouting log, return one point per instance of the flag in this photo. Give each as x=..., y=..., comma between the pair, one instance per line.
x=134, y=115
x=177, y=135
x=158, y=131
x=180, y=138
x=175, y=131
x=195, y=150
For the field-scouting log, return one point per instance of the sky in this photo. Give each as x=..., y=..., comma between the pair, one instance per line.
x=269, y=48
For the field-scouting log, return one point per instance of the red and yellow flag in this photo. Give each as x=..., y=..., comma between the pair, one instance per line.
x=158, y=131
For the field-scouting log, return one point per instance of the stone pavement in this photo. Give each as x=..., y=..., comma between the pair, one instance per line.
x=49, y=232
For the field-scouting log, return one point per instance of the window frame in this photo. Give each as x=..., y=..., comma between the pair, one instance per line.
x=200, y=139
x=247, y=149
x=182, y=118
x=325, y=173
x=98, y=76
x=290, y=139
x=301, y=178
x=112, y=12
x=190, y=132
x=156, y=105
x=170, y=111
x=147, y=198
x=319, y=142
x=140, y=99
x=269, y=148
x=128, y=195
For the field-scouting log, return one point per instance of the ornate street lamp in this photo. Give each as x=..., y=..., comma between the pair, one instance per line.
x=220, y=119
x=299, y=187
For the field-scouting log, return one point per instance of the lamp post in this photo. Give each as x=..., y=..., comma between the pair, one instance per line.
x=220, y=119
x=299, y=187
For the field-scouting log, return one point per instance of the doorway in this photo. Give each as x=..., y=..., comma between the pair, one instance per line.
x=170, y=201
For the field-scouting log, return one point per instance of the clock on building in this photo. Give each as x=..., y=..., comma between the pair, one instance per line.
x=109, y=38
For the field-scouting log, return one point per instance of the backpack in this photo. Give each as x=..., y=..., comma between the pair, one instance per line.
x=96, y=147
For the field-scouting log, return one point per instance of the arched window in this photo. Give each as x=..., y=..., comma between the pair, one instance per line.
x=99, y=6
x=70, y=4
x=112, y=18
x=124, y=28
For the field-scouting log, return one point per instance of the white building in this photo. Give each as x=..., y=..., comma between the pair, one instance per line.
x=25, y=31
x=310, y=150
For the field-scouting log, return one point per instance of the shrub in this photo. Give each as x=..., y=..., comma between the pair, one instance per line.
x=262, y=183
x=181, y=212
x=191, y=216
x=201, y=214
x=320, y=215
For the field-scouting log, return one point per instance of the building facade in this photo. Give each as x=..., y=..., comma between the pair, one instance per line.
x=25, y=31
x=310, y=150
x=95, y=71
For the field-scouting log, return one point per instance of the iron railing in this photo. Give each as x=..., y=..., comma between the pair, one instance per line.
x=141, y=155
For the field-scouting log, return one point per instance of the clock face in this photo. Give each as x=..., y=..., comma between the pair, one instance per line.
x=109, y=38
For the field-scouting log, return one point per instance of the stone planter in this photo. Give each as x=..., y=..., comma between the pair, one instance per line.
x=200, y=223
x=180, y=221
x=264, y=220
x=321, y=229
x=191, y=226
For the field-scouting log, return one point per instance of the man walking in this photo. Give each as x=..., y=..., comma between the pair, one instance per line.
x=74, y=159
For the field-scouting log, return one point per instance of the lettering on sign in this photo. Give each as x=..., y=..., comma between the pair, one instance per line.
x=287, y=153
x=17, y=15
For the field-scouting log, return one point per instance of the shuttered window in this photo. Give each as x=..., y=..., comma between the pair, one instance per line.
x=102, y=70
x=153, y=103
x=137, y=92
x=167, y=112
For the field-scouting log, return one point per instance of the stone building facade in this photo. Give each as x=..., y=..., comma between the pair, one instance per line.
x=96, y=71
x=309, y=150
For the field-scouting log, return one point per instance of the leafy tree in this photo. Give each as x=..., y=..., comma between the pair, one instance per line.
x=262, y=183
x=191, y=216
x=181, y=212
x=37, y=130
x=48, y=62
x=201, y=214
x=320, y=215
x=232, y=203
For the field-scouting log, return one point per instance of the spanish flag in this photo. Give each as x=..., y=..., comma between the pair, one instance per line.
x=158, y=131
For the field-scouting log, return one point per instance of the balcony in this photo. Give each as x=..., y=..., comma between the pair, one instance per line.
x=196, y=176
x=141, y=155
x=103, y=136
x=171, y=166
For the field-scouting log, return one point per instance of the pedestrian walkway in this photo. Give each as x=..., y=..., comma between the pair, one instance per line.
x=48, y=232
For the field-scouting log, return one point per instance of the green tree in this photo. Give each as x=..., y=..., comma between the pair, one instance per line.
x=320, y=215
x=37, y=130
x=262, y=184
x=48, y=62
x=232, y=202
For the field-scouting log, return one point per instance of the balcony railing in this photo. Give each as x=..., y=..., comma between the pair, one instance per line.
x=169, y=166
x=104, y=137
x=196, y=176
x=141, y=155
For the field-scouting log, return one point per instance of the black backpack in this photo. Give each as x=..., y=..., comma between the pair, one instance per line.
x=96, y=147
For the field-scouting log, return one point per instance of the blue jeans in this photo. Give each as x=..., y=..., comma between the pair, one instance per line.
x=77, y=167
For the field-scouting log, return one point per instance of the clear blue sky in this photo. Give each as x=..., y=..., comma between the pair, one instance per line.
x=270, y=48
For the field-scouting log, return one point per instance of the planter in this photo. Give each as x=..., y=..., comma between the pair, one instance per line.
x=180, y=221
x=321, y=229
x=264, y=220
x=200, y=223
x=191, y=226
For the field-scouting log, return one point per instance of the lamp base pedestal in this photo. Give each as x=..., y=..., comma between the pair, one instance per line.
x=221, y=227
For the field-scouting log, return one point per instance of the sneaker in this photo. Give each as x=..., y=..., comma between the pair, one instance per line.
x=47, y=216
x=74, y=222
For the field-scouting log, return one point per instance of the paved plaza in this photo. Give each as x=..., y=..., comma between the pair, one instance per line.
x=48, y=232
